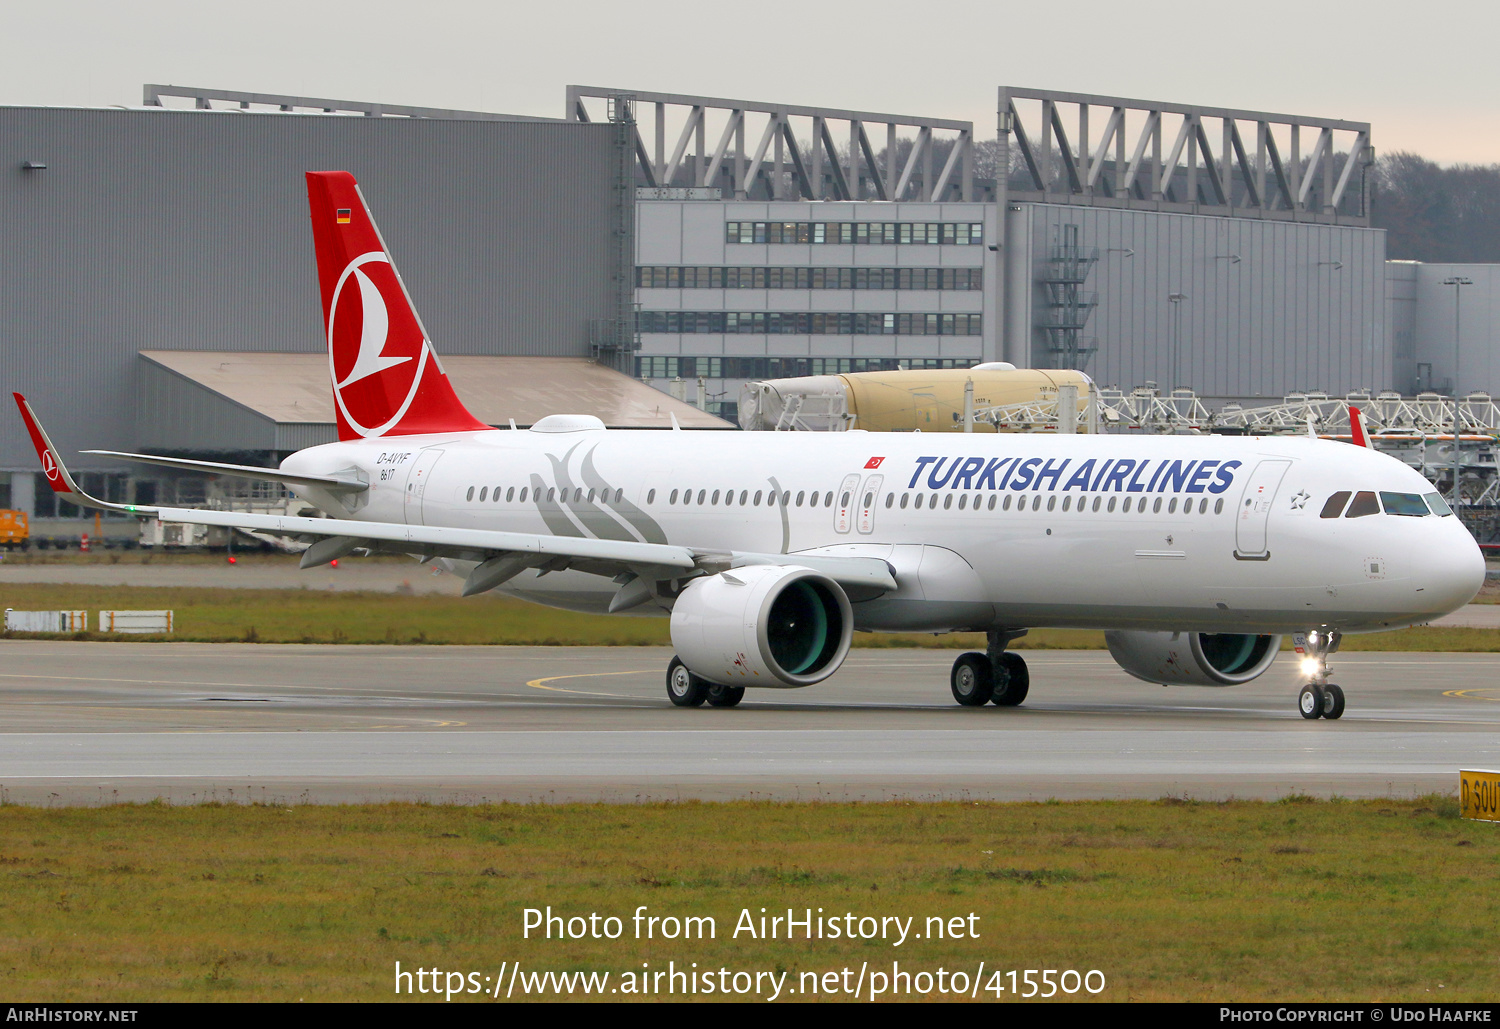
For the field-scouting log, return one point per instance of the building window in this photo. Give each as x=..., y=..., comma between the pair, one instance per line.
x=856, y=233
x=782, y=367
x=944, y=279
x=809, y=323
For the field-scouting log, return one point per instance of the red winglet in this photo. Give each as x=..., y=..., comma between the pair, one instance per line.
x=1357, y=427
x=57, y=473
x=387, y=380
x=52, y=466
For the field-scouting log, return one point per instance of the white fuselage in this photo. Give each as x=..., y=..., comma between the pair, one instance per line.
x=1210, y=534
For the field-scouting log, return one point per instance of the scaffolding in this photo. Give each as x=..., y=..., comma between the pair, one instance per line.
x=1068, y=305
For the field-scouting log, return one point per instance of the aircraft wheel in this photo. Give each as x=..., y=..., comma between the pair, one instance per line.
x=1310, y=701
x=683, y=687
x=725, y=696
x=1012, y=680
x=971, y=680
x=1333, y=702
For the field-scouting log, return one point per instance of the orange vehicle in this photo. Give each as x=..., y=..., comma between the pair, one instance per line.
x=14, y=529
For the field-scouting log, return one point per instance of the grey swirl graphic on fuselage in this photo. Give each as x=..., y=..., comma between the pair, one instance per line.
x=646, y=526
x=594, y=521
x=558, y=523
x=786, y=524
x=599, y=522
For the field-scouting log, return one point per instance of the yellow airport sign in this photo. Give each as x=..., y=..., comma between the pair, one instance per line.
x=1479, y=795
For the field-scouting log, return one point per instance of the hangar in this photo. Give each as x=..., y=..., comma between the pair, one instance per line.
x=694, y=243
x=154, y=247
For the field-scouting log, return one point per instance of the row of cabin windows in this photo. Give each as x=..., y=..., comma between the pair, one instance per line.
x=1106, y=503
x=1409, y=505
x=511, y=495
x=745, y=498
x=1365, y=502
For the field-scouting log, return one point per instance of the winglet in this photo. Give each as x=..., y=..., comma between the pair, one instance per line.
x=1357, y=427
x=57, y=473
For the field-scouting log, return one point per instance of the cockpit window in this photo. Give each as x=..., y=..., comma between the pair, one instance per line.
x=1335, y=505
x=1408, y=504
x=1364, y=504
x=1438, y=505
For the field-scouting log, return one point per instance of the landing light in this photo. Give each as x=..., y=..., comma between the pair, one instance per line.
x=1309, y=666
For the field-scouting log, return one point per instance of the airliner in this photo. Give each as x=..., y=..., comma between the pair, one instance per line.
x=1194, y=555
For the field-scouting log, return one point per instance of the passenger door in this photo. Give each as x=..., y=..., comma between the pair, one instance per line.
x=1255, y=508
x=417, y=481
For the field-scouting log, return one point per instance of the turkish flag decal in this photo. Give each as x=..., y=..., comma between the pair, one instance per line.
x=874, y=462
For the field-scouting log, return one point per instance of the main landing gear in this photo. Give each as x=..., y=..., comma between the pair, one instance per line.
x=996, y=677
x=1319, y=698
x=688, y=690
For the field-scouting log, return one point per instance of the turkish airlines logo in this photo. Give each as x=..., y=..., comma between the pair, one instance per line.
x=49, y=467
x=376, y=350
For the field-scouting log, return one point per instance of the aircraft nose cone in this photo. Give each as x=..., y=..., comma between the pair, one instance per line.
x=1451, y=574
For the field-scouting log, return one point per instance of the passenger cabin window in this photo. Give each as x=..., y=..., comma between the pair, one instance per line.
x=1409, y=504
x=1335, y=505
x=1364, y=504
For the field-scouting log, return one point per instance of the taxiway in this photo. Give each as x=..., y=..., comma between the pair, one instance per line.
x=97, y=722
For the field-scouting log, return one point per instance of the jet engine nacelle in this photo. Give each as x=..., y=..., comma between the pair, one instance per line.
x=763, y=625
x=1193, y=658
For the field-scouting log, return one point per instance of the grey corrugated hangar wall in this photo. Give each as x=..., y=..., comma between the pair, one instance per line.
x=188, y=230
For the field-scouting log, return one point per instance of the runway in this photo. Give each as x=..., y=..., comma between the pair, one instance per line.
x=98, y=722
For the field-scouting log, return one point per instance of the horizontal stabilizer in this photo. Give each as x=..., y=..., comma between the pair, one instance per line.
x=331, y=483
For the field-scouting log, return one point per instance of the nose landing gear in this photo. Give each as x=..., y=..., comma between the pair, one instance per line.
x=1319, y=698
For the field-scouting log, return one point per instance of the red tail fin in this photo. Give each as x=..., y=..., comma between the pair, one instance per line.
x=1357, y=427
x=386, y=377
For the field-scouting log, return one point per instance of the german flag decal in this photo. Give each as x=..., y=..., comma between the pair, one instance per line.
x=344, y=214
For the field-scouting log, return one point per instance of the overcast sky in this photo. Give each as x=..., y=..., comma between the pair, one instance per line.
x=1425, y=77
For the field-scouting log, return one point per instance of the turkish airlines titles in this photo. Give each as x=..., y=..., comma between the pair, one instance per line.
x=1122, y=475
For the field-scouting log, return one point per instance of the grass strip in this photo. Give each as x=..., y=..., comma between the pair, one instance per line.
x=227, y=615
x=1172, y=900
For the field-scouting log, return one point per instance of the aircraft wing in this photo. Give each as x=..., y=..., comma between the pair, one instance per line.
x=501, y=555
x=513, y=552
